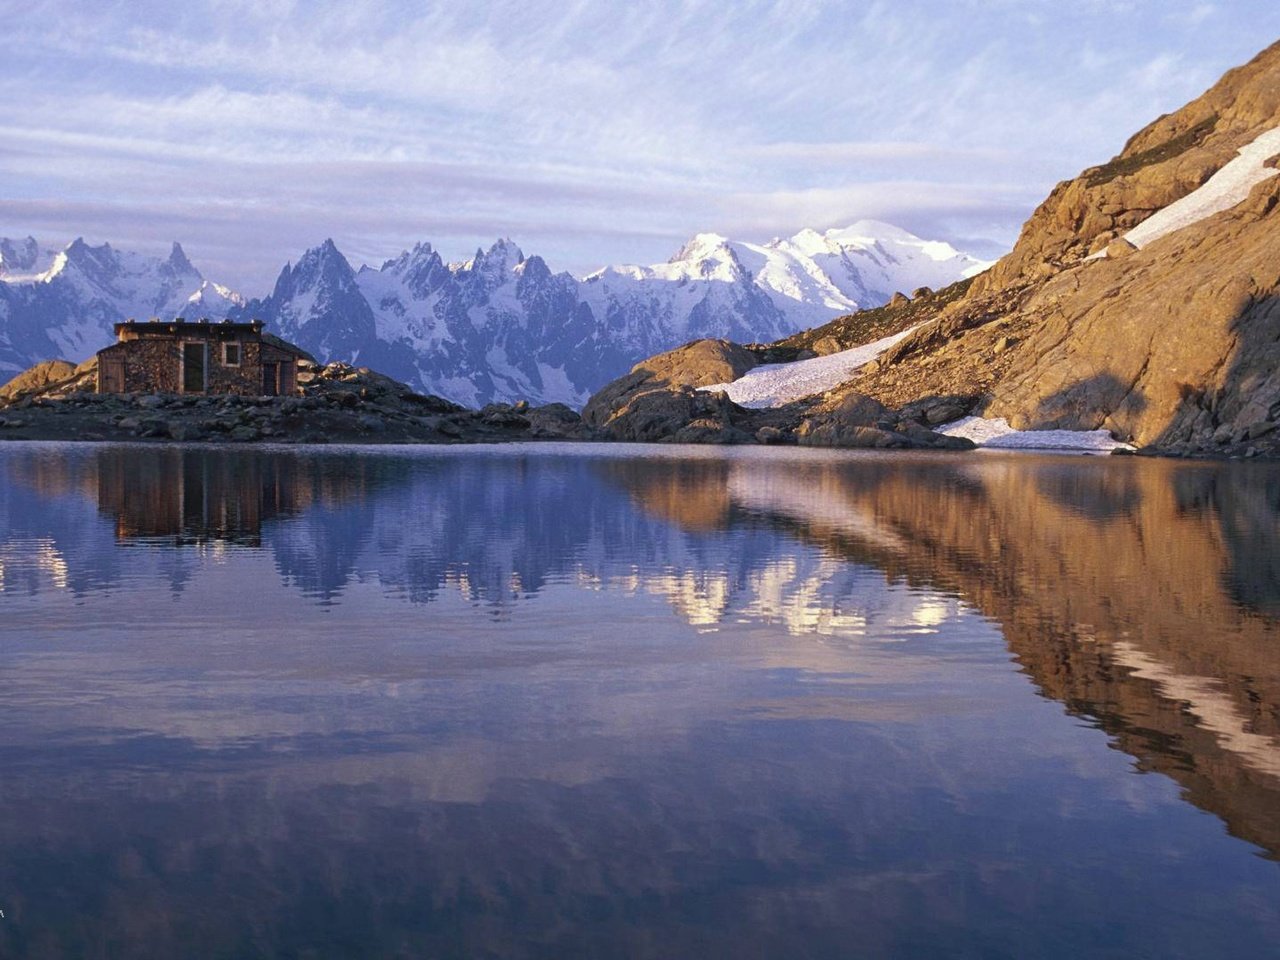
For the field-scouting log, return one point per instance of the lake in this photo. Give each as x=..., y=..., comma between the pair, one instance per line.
x=605, y=701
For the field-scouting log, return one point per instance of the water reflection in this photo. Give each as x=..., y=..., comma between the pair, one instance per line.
x=1140, y=596
x=580, y=702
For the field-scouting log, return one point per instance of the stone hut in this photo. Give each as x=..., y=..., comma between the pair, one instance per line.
x=201, y=357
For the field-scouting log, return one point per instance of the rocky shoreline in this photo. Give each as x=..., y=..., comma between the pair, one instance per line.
x=660, y=401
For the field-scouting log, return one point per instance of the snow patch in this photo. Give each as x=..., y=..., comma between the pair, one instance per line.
x=1226, y=188
x=996, y=434
x=777, y=384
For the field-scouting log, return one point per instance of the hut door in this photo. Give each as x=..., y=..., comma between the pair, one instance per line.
x=270, y=379
x=193, y=357
x=110, y=375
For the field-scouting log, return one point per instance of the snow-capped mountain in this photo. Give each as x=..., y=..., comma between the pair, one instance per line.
x=67, y=309
x=500, y=326
x=813, y=277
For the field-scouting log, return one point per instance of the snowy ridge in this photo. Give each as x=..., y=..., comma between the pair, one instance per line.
x=812, y=277
x=777, y=384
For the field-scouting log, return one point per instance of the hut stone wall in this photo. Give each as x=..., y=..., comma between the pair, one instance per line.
x=198, y=358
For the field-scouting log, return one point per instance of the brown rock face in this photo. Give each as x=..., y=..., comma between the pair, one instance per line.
x=37, y=378
x=1165, y=346
x=1161, y=163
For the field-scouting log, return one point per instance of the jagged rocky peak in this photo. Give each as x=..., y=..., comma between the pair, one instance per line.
x=18, y=256
x=80, y=254
x=147, y=283
x=178, y=264
x=328, y=252
x=421, y=269
x=498, y=261
x=533, y=269
x=420, y=252
x=322, y=265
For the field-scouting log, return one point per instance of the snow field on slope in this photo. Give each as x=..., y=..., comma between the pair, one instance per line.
x=996, y=434
x=1226, y=188
x=776, y=384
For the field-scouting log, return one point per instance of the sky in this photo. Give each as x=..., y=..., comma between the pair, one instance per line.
x=588, y=132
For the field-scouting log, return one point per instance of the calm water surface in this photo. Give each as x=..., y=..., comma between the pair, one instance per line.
x=636, y=702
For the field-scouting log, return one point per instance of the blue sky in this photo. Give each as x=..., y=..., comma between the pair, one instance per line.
x=590, y=133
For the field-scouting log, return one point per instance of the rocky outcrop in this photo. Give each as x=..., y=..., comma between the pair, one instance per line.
x=860, y=421
x=1176, y=344
x=338, y=403
x=701, y=363
x=658, y=399
x=659, y=402
x=37, y=378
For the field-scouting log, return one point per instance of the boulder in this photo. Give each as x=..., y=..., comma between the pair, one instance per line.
x=858, y=409
x=1120, y=248
x=933, y=411
x=826, y=346
x=556, y=421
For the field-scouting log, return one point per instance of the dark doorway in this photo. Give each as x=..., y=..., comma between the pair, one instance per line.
x=270, y=379
x=193, y=355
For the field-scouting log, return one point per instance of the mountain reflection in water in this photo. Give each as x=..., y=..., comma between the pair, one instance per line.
x=589, y=701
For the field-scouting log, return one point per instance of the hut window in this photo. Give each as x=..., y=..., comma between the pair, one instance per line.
x=231, y=354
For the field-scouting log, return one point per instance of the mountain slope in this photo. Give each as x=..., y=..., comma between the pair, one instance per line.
x=1171, y=339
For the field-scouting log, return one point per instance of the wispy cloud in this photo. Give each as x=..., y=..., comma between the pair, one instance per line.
x=591, y=131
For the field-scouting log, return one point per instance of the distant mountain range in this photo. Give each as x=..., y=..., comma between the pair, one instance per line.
x=500, y=326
